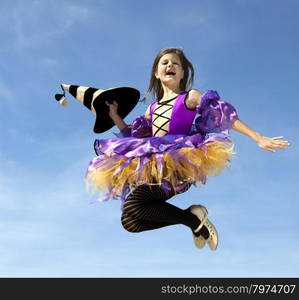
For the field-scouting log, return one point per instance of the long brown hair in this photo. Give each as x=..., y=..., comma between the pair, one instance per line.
x=155, y=86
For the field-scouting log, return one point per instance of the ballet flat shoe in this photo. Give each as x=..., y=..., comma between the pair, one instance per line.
x=202, y=213
x=213, y=239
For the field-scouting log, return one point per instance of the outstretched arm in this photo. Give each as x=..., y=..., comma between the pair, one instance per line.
x=263, y=142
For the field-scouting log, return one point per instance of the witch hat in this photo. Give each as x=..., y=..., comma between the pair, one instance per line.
x=94, y=99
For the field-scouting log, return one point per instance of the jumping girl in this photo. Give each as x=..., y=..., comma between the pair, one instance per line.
x=182, y=138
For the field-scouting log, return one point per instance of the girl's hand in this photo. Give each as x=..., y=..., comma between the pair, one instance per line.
x=112, y=108
x=269, y=144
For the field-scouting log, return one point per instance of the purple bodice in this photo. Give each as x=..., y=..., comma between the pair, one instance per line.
x=181, y=117
x=214, y=116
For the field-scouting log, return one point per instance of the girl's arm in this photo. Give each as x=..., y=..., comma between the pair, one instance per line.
x=147, y=113
x=118, y=121
x=263, y=142
x=139, y=128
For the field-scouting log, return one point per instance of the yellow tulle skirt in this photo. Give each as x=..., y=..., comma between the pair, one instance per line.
x=114, y=174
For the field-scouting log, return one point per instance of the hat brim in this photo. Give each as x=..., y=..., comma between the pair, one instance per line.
x=126, y=98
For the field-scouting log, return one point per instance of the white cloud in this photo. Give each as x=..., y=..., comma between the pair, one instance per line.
x=48, y=61
x=74, y=14
x=35, y=23
x=6, y=92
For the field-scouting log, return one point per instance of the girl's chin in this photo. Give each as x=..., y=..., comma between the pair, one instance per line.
x=168, y=79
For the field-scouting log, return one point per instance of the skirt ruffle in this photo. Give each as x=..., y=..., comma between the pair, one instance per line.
x=172, y=161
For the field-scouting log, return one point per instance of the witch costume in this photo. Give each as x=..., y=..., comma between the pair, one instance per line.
x=175, y=148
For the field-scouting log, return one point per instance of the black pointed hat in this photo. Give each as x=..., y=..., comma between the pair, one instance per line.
x=94, y=99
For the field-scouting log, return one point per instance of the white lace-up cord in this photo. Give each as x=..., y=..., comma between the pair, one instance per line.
x=202, y=223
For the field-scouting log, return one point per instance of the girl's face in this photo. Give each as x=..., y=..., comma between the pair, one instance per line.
x=169, y=69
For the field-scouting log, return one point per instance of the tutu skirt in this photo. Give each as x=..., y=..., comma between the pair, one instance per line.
x=172, y=161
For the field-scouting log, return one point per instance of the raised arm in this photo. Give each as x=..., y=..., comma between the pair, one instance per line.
x=140, y=127
x=147, y=113
x=118, y=121
x=265, y=143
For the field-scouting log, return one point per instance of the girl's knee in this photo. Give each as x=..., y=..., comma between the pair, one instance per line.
x=130, y=224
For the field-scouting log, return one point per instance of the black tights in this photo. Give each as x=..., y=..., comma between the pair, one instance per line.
x=146, y=209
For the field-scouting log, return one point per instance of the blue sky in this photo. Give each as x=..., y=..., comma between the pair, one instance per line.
x=51, y=227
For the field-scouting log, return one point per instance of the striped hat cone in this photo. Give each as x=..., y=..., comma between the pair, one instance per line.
x=95, y=100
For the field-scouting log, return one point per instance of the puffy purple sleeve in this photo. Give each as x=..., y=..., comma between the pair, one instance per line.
x=215, y=115
x=140, y=127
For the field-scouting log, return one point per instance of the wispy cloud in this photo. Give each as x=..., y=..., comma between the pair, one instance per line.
x=6, y=93
x=49, y=61
x=35, y=23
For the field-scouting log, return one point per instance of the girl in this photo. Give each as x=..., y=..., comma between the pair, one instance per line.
x=164, y=152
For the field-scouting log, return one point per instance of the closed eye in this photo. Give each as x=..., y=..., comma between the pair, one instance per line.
x=165, y=62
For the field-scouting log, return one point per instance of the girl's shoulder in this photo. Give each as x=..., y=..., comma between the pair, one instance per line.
x=147, y=113
x=193, y=98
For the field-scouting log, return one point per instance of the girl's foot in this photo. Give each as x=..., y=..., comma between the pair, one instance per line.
x=212, y=238
x=201, y=213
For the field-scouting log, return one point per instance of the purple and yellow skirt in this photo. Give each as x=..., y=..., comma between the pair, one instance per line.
x=171, y=161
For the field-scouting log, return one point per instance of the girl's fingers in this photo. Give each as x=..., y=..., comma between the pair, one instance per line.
x=277, y=142
x=277, y=145
x=281, y=147
x=269, y=149
x=269, y=144
x=283, y=144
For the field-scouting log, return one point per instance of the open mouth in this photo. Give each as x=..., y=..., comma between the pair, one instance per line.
x=170, y=73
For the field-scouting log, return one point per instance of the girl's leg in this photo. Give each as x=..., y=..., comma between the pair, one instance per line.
x=146, y=209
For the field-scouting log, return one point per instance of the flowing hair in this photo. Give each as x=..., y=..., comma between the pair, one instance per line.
x=155, y=86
